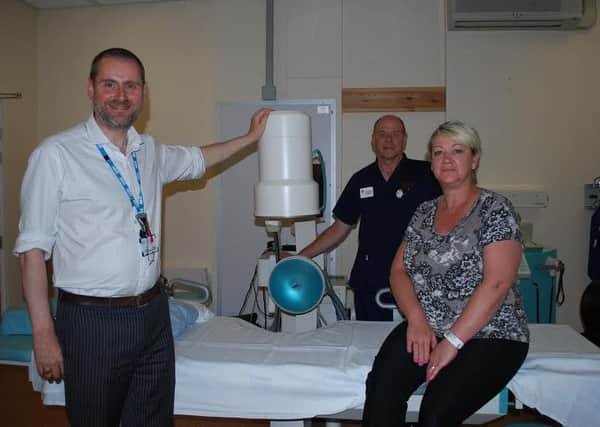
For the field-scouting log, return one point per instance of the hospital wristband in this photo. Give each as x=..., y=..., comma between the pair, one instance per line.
x=454, y=340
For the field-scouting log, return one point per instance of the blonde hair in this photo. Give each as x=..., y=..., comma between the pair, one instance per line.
x=460, y=132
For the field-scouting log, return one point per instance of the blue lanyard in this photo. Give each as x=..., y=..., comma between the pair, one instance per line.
x=139, y=207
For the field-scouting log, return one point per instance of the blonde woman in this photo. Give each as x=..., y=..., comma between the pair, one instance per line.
x=454, y=279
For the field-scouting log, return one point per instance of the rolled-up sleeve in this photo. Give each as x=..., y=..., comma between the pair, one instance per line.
x=179, y=162
x=40, y=200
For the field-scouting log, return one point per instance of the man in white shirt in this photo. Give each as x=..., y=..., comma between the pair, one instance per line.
x=91, y=199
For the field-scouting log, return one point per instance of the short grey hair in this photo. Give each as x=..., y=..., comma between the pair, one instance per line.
x=389, y=116
x=460, y=132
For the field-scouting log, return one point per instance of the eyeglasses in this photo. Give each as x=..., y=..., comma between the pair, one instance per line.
x=112, y=86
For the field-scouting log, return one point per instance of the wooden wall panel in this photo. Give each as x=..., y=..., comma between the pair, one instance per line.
x=358, y=100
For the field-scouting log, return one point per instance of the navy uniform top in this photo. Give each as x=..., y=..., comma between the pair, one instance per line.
x=384, y=209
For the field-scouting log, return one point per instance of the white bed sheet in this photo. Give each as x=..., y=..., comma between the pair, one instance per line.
x=229, y=368
x=561, y=376
x=248, y=372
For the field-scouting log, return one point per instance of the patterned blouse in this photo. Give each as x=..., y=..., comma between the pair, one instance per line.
x=446, y=269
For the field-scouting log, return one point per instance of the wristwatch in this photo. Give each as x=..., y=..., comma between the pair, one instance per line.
x=454, y=340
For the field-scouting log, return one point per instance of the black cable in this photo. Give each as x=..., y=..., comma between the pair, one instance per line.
x=537, y=301
x=550, y=310
x=560, y=292
x=276, y=324
x=265, y=307
x=250, y=287
x=256, y=309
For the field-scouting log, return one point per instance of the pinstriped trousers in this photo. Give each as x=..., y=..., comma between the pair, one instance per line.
x=119, y=364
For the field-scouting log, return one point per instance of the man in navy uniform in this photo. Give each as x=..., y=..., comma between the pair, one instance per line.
x=383, y=196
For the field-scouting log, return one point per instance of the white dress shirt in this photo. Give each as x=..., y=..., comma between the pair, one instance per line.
x=74, y=208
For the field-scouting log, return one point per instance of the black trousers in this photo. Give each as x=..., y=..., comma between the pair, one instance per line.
x=119, y=364
x=481, y=370
x=366, y=307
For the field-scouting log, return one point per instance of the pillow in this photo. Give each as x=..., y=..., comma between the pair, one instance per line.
x=204, y=312
x=182, y=316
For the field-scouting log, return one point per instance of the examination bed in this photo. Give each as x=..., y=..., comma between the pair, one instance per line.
x=229, y=368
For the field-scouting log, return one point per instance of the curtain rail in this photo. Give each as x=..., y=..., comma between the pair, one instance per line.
x=10, y=95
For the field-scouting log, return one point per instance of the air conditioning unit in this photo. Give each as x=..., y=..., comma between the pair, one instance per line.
x=520, y=14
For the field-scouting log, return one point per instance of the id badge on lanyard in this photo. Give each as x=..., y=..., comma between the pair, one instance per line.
x=148, y=244
x=147, y=241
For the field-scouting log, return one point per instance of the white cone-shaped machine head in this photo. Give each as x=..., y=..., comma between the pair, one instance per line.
x=286, y=188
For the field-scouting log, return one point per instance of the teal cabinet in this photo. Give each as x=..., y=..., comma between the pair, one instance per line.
x=539, y=290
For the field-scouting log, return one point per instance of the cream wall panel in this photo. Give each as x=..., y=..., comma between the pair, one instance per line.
x=17, y=74
x=533, y=96
x=239, y=50
x=314, y=38
x=314, y=88
x=389, y=43
x=307, y=47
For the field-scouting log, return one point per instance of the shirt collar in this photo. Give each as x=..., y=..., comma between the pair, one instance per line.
x=96, y=136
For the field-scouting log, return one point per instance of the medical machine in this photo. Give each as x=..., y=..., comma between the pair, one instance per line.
x=286, y=192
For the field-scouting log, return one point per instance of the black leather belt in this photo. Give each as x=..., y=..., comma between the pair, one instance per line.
x=137, y=300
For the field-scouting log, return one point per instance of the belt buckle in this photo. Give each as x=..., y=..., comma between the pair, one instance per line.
x=146, y=297
x=139, y=300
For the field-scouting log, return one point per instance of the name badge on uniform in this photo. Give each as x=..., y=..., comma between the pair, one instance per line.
x=366, y=192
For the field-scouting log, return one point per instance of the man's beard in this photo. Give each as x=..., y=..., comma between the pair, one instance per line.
x=125, y=123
